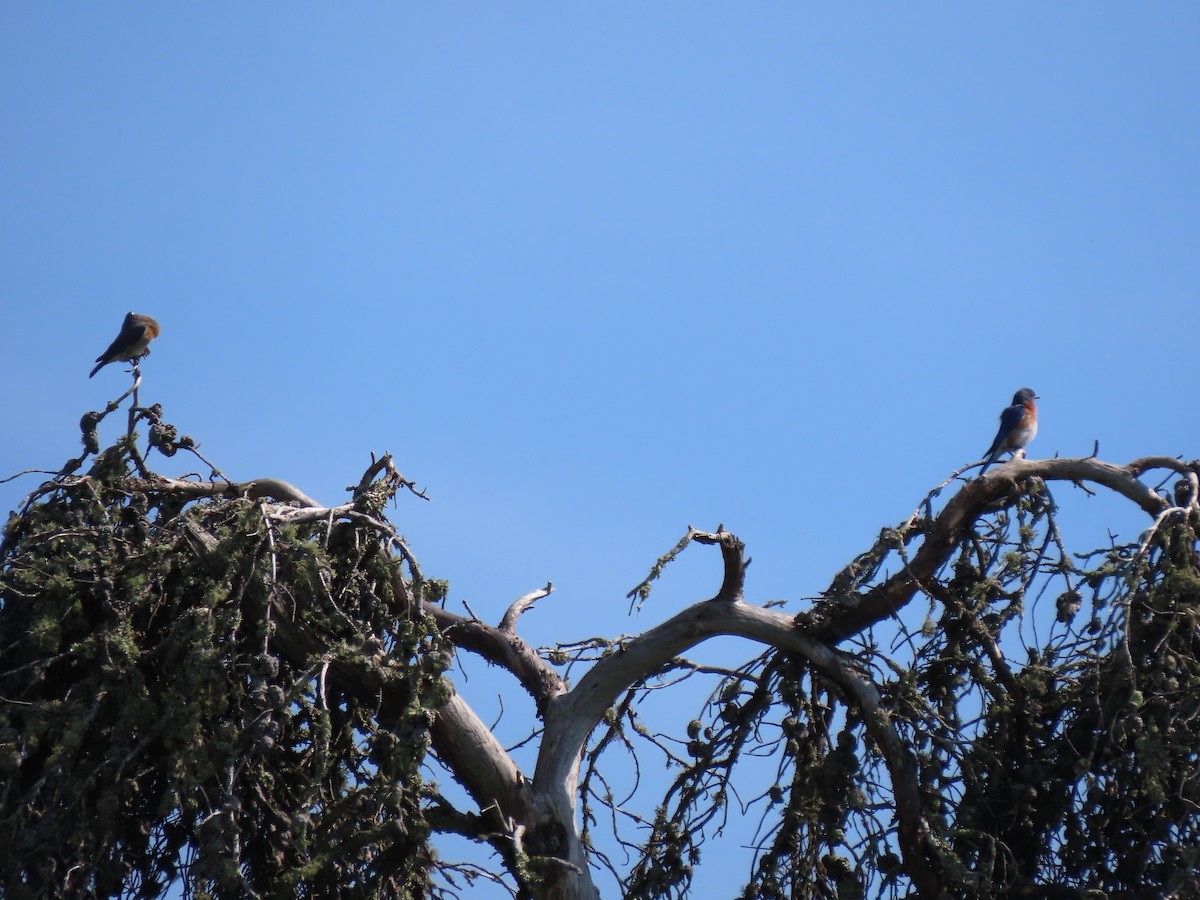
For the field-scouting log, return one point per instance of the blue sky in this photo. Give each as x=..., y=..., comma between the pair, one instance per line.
x=596, y=272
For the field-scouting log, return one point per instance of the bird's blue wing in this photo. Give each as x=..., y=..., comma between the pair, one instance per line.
x=1009, y=419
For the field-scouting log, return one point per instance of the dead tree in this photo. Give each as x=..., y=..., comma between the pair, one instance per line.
x=230, y=686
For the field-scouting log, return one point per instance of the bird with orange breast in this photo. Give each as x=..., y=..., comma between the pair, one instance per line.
x=1018, y=425
x=137, y=331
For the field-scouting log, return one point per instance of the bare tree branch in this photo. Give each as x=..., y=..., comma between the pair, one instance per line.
x=509, y=622
x=502, y=648
x=257, y=489
x=840, y=617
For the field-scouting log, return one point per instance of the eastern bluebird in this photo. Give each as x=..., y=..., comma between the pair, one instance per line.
x=1018, y=425
x=131, y=344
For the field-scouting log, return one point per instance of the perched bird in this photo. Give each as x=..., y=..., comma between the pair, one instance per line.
x=1018, y=425
x=131, y=344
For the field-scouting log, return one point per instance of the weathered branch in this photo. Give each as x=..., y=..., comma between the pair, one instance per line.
x=509, y=622
x=469, y=749
x=502, y=648
x=734, y=559
x=837, y=618
x=392, y=478
x=573, y=716
x=258, y=489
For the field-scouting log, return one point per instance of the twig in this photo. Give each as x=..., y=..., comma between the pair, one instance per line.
x=642, y=590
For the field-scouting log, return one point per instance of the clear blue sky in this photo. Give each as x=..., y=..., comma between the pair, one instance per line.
x=596, y=272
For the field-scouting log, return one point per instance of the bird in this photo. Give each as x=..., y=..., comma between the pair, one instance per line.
x=137, y=331
x=1018, y=425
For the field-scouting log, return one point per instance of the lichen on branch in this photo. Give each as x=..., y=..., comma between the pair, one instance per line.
x=155, y=724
